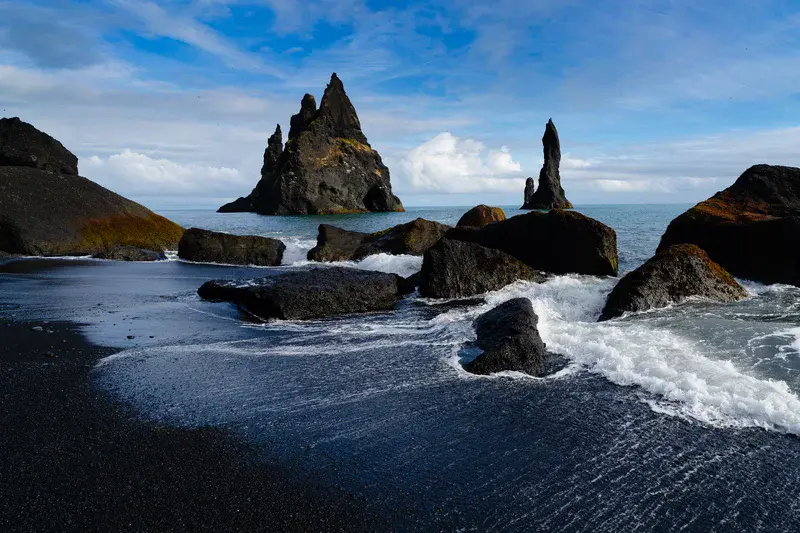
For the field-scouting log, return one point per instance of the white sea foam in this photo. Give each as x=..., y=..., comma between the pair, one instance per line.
x=403, y=265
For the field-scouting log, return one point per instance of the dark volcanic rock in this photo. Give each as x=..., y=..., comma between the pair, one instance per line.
x=550, y=194
x=751, y=229
x=212, y=247
x=558, y=241
x=307, y=294
x=481, y=215
x=129, y=253
x=327, y=166
x=672, y=275
x=22, y=145
x=44, y=213
x=271, y=156
x=454, y=269
x=411, y=238
x=510, y=340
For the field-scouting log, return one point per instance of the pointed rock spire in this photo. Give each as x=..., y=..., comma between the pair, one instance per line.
x=549, y=194
x=273, y=151
x=308, y=110
x=338, y=114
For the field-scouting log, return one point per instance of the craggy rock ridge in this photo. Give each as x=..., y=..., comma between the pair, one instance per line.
x=751, y=229
x=481, y=215
x=672, y=275
x=550, y=194
x=206, y=246
x=47, y=209
x=411, y=238
x=326, y=167
x=455, y=269
x=308, y=294
x=559, y=242
x=510, y=340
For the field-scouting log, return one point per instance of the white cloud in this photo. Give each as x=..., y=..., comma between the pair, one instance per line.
x=134, y=174
x=447, y=163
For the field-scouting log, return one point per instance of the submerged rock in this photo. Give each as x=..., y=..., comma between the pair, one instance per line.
x=672, y=275
x=558, y=241
x=130, y=253
x=510, y=341
x=751, y=228
x=307, y=294
x=550, y=194
x=212, y=247
x=326, y=167
x=480, y=216
x=455, y=269
x=411, y=238
x=47, y=209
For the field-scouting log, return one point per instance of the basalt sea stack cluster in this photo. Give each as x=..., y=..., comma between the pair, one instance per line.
x=550, y=194
x=326, y=167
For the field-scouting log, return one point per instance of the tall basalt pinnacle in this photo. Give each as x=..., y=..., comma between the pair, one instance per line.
x=326, y=167
x=549, y=194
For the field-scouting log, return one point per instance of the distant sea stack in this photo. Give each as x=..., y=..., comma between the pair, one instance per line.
x=550, y=194
x=326, y=167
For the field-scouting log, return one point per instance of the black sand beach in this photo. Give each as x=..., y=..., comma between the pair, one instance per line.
x=73, y=460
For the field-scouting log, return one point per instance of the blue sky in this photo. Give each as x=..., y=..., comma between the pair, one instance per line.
x=171, y=103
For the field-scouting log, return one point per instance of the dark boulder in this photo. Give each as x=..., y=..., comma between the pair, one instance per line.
x=510, y=341
x=455, y=269
x=411, y=283
x=558, y=241
x=326, y=167
x=130, y=253
x=213, y=247
x=22, y=145
x=411, y=238
x=751, y=228
x=672, y=275
x=549, y=194
x=308, y=294
x=481, y=215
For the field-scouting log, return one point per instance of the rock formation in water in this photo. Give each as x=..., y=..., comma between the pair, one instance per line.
x=206, y=246
x=549, y=194
x=558, y=241
x=46, y=208
x=130, y=253
x=481, y=215
x=671, y=276
x=751, y=229
x=510, y=340
x=326, y=167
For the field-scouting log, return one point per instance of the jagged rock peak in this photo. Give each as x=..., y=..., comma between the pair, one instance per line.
x=308, y=111
x=273, y=151
x=549, y=194
x=338, y=112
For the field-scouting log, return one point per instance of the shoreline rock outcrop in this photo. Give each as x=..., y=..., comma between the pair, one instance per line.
x=456, y=269
x=205, y=246
x=130, y=253
x=326, y=167
x=309, y=294
x=557, y=242
x=671, y=276
x=47, y=209
x=751, y=228
x=480, y=216
x=510, y=340
x=411, y=238
x=550, y=194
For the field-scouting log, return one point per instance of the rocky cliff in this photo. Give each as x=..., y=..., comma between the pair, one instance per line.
x=326, y=167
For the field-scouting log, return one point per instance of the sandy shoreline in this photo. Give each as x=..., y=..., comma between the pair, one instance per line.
x=73, y=460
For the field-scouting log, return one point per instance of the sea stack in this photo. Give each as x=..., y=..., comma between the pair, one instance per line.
x=326, y=167
x=550, y=194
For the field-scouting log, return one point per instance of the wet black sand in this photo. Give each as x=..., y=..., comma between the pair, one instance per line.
x=73, y=460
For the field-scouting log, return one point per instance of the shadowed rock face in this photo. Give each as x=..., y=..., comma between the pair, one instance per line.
x=558, y=241
x=510, y=340
x=481, y=215
x=22, y=145
x=550, y=194
x=411, y=238
x=455, y=269
x=326, y=167
x=212, y=247
x=307, y=294
x=751, y=228
x=47, y=209
x=129, y=253
x=672, y=275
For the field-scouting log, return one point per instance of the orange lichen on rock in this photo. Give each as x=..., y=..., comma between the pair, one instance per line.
x=152, y=232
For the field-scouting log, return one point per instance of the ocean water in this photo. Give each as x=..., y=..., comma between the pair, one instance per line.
x=683, y=418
